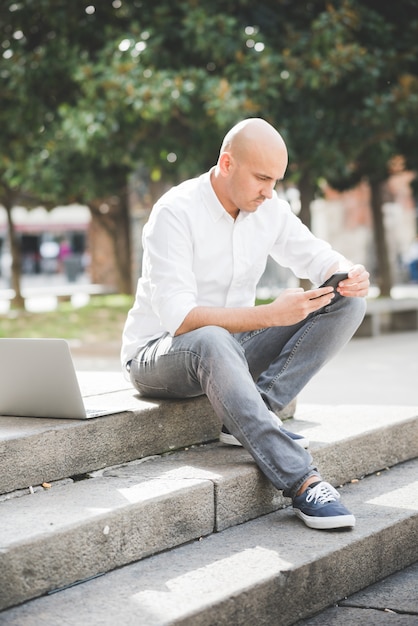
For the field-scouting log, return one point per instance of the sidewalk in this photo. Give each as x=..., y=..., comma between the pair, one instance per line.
x=369, y=370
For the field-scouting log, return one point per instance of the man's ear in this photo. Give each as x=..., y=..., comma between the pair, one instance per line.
x=225, y=163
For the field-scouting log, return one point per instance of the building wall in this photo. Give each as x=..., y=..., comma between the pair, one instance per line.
x=345, y=220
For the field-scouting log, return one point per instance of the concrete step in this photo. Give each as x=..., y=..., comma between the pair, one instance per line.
x=34, y=451
x=392, y=601
x=80, y=528
x=269, y=571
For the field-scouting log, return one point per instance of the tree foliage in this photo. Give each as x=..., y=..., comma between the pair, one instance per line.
x=92, y=89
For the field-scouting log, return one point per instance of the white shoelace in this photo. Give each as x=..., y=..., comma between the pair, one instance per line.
x=322, y=493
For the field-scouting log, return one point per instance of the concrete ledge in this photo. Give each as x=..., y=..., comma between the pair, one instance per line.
x=389, y=315
x=34, y=450
x=255, y=573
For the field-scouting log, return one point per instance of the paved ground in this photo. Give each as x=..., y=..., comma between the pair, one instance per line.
x=370, y=370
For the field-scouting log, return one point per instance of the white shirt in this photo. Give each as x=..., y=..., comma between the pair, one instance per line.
x=196, y=254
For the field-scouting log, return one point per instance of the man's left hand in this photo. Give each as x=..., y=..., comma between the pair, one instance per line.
x=357, y=284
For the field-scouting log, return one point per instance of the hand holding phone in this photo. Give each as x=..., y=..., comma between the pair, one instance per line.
x=333, y=281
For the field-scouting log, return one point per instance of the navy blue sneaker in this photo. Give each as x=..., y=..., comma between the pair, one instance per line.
x=300, y=439
x=319, y=507
x=226, y=437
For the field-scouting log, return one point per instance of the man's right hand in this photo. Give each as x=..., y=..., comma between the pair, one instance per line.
x=294, y=305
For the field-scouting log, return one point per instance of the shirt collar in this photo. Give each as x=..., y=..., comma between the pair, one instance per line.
x=210, y=198
x=212, y=202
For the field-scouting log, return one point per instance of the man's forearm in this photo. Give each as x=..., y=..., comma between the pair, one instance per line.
x=235, y=320
x=290, y=307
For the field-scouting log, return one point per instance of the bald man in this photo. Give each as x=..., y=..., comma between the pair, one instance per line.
x=194, y=328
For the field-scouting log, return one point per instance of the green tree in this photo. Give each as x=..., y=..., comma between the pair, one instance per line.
x=42, y=43
x=384, y=107
x=92, y=90
x=345, y=96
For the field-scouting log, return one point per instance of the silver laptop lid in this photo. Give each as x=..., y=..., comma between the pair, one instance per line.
x=38, y=379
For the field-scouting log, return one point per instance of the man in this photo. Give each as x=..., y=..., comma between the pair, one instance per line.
x=194, y=328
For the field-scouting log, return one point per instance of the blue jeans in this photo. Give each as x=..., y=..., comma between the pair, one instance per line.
x=246, y=374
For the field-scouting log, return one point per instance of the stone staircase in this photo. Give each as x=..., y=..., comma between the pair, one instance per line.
x=144, y=518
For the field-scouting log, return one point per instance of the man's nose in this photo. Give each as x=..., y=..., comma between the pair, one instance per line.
x=268, y=189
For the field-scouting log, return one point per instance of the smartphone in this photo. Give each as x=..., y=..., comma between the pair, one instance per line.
x=333, y=281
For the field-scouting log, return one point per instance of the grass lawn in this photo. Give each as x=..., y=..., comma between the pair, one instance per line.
x=101, y=320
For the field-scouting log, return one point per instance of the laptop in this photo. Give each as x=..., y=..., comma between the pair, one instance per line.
x=38, y=379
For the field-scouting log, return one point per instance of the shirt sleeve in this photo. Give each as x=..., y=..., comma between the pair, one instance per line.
x=297, y=248
x=168, y=265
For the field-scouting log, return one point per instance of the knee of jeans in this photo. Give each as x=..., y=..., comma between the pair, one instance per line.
x=216, y=341
x=352, y=311
x=357, y=307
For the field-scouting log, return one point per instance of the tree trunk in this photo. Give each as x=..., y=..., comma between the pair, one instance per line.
x=18, y=301
x=113, y=216
x=306, y=190
x=122, y=246
x=384, y=276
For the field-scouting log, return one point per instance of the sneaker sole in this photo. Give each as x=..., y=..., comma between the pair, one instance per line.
x=230, y=440
x=326, y=523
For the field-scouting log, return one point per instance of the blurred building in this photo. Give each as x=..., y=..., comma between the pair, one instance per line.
x=345, y=220
x=51, y=241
